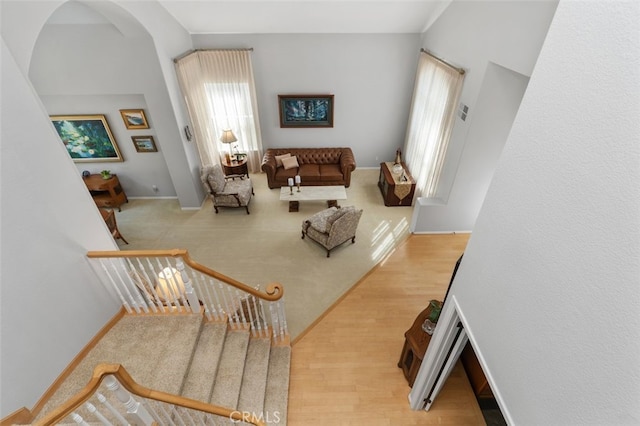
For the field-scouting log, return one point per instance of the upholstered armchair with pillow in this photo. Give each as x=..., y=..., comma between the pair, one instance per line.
x=229, y=191
x=332, y=227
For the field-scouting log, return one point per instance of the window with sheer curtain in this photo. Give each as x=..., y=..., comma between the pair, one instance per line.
x=435, y=96
x=220, y=94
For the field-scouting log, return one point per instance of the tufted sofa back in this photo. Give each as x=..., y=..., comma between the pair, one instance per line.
x=312, y=155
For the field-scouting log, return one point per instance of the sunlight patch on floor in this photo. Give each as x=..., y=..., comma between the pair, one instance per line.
x=385, y=238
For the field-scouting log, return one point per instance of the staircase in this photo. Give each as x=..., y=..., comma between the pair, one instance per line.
x=188, y=356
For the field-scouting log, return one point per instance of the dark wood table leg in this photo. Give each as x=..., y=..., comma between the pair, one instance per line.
x=294, y=206
x=332, y=203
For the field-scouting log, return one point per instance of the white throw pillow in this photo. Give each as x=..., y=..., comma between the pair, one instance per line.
x=280, y=157
x=290, y=162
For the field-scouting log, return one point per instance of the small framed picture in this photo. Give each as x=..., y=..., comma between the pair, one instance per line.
x=144, y=143
x=134, y=118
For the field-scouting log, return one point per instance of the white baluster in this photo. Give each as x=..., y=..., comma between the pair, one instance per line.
x=134, y=408
x=240, y=297
x=151, y=409
x=189, y=291
x=124, y=301
x=166, y=414
x=78, y=419
x=203, y=290
x=134, y=275
x=116, y=413
x=152, y=281
x=177, y=416
x=116, y=271
x=275, y=329
x=256, y=313
x=227, y=308
x=93, y=410
x=283, y=319
x=212, y=286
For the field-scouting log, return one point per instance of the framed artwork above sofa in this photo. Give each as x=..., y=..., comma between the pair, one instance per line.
x=306, y=110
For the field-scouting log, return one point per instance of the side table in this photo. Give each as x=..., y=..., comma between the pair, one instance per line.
x=415, y=346
x=234, y=167
x=106, y=192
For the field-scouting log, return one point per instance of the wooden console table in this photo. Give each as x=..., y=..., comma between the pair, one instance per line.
x=106, y=192
x=397, y=189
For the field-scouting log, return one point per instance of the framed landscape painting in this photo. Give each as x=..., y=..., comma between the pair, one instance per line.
x=144, y=143
x=134, y=119
x=87, y=138
x=306, y=110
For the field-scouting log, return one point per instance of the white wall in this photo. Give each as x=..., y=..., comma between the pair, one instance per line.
x=133, y=55
x=479, y=36
x=371, y=76
x=550, y=282
x=52, y=302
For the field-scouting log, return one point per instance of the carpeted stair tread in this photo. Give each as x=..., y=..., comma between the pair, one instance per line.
x=153, y=350
x=254, y=380
x=277, y=391
x=226, y=389
x=199, y=381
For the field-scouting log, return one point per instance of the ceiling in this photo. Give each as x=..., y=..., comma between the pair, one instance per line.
x=304, y=16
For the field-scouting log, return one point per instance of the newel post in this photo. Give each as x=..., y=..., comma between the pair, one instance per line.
x=189, y=291
x=139, y=414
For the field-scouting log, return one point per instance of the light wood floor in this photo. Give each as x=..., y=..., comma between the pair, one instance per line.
x=344, y=369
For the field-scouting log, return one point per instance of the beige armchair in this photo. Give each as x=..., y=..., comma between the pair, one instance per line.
x=226, y=191
x=332, y=227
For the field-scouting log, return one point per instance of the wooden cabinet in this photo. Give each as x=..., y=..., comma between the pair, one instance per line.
x=106, y=192
x=397, y=189
x=236, y=167
x=415, y=346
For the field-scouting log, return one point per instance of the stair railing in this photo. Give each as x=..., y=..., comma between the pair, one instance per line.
x=135, y=404
x=170, y=282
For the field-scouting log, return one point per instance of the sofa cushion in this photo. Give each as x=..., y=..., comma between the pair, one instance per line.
x=310, y=172
x=290, y=162
x=330, y=172
x=280, y=157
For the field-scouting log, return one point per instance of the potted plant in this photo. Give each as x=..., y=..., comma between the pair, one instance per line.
x=106, y=174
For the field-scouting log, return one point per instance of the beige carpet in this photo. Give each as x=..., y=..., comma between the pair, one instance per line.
x=265, y=246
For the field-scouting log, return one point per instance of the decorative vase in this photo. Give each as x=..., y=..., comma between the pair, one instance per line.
x=398, y=159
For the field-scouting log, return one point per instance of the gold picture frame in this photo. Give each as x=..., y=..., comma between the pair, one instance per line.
x=144, y=143
x=87, y=138
x=134, y=119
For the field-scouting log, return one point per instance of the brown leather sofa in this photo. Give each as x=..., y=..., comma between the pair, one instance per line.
x=316, y=166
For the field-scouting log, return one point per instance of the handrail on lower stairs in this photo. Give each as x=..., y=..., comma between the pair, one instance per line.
x=169, y=281
x=141, y=410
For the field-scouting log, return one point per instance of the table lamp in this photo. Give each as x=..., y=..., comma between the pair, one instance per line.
x=228, y=137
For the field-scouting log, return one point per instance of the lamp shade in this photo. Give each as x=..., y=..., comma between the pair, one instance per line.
x=170, y=285
x=228, y=136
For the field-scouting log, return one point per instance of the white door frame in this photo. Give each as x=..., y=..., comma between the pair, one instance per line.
x=447, y=342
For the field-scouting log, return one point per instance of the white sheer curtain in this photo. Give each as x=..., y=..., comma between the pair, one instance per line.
x=435, y=96
x=220, y=94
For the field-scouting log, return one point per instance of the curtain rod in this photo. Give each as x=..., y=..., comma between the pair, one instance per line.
x=189, y=52
x=460, y=70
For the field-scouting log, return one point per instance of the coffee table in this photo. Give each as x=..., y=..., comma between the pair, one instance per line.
x=313, y=193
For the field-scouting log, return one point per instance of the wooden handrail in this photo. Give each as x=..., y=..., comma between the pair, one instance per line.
x=274, y=291
x=117, y=370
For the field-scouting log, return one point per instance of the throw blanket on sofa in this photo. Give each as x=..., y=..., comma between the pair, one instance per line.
x=315, y=166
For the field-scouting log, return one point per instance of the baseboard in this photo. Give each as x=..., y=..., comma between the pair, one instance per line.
x=173, y=197
x=74, y=363
x=441, y=232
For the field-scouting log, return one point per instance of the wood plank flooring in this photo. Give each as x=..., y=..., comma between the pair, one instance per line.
x=344, y=369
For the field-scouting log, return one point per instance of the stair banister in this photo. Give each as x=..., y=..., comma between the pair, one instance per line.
x=273, y=292
x=125, y=380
